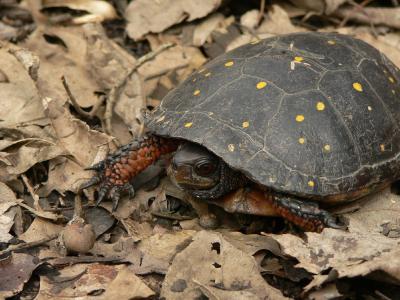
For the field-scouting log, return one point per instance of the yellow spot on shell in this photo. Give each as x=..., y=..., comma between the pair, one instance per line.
x=298, y=59
x=202, y=70
x=357, y=86
x=327, y=147
x=302, y=140
x=194, y=79
x=229, y=64
x=196, y=92
x=299, y=118
x=393, y=92
x=330, y=42
x=311, y=183
x=320, y=106
x=391, y=79
x=369, y=108
x=245, y=124
x=260, y=85
x=207, y=74
x=188, y=124
x=231, y=147
x=255, y=42
x=382, y=147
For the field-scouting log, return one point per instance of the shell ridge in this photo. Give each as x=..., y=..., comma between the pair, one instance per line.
x=273, y=117
x=388, y=112
x=227, y=124
x=206, y=99
x=339, y=115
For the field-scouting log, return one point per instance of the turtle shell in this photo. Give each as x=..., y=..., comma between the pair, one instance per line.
x=309, y=114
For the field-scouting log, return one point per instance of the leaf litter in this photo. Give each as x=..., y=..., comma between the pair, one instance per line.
x=74, y=89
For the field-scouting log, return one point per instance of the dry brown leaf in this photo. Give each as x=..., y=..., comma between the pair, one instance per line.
x=213, y=270
x=40, y=229
x=6, y=214
x=390, y=45
x=84, y=145
x=29, y=155
x=62, y=52
x=372, y=15
x=74, y=135
x=127, y=285
x=277, y=21
x=15, y=273
x=145, y=16
x=203, y=31
x=159, y=250
x=109, y=65
x=99, y=11
x=332, y=5
x=319, y=6
x=250, y=19
x=314, y=5
x=79, y=281
x=357, y=252
x=326, y=293
x=20, y=102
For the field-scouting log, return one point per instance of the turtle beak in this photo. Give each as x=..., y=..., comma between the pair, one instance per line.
x=182, y=174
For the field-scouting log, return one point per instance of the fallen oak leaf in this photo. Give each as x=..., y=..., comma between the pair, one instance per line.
x=145, y=16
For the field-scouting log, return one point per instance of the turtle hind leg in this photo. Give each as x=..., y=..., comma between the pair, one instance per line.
x=305, y=214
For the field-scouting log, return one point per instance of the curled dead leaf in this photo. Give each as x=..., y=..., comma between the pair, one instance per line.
x=145, y=16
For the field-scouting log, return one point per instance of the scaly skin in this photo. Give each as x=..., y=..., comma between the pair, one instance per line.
x=116, y=171
x=305, y=214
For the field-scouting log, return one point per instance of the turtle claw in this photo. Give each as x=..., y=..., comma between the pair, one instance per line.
x=115, y=196
x=333, y=222
x=96, y=167
x=93, y=181
x=102, y=194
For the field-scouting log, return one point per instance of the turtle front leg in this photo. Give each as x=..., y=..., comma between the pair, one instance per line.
x=116, y=171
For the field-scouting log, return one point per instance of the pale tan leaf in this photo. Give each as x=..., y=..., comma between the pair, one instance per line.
x=214, y=264
x=127, y=285
x=145, y=16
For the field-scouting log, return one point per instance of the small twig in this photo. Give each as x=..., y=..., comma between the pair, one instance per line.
x=72, y=260
x=41, y=213
x=22, y=246
x=171, y=216
x=261, y=12
x=31, y=191
x=78, y=206
x=355, y=7
x=60, y=209
x=382, y=296
x=72, y=98
x=116, y=90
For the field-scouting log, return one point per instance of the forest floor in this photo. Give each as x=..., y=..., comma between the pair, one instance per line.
x=75, y=79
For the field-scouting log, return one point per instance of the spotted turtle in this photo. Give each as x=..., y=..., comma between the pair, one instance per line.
x=275, y=127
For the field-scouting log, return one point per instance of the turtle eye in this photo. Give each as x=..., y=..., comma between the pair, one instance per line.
x=205, y=168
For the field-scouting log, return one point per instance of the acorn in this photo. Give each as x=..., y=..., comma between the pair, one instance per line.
x=78, y=236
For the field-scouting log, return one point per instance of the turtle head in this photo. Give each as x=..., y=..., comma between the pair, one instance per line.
x=203, y=174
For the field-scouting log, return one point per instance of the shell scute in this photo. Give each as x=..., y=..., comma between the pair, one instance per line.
x=331, y=118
